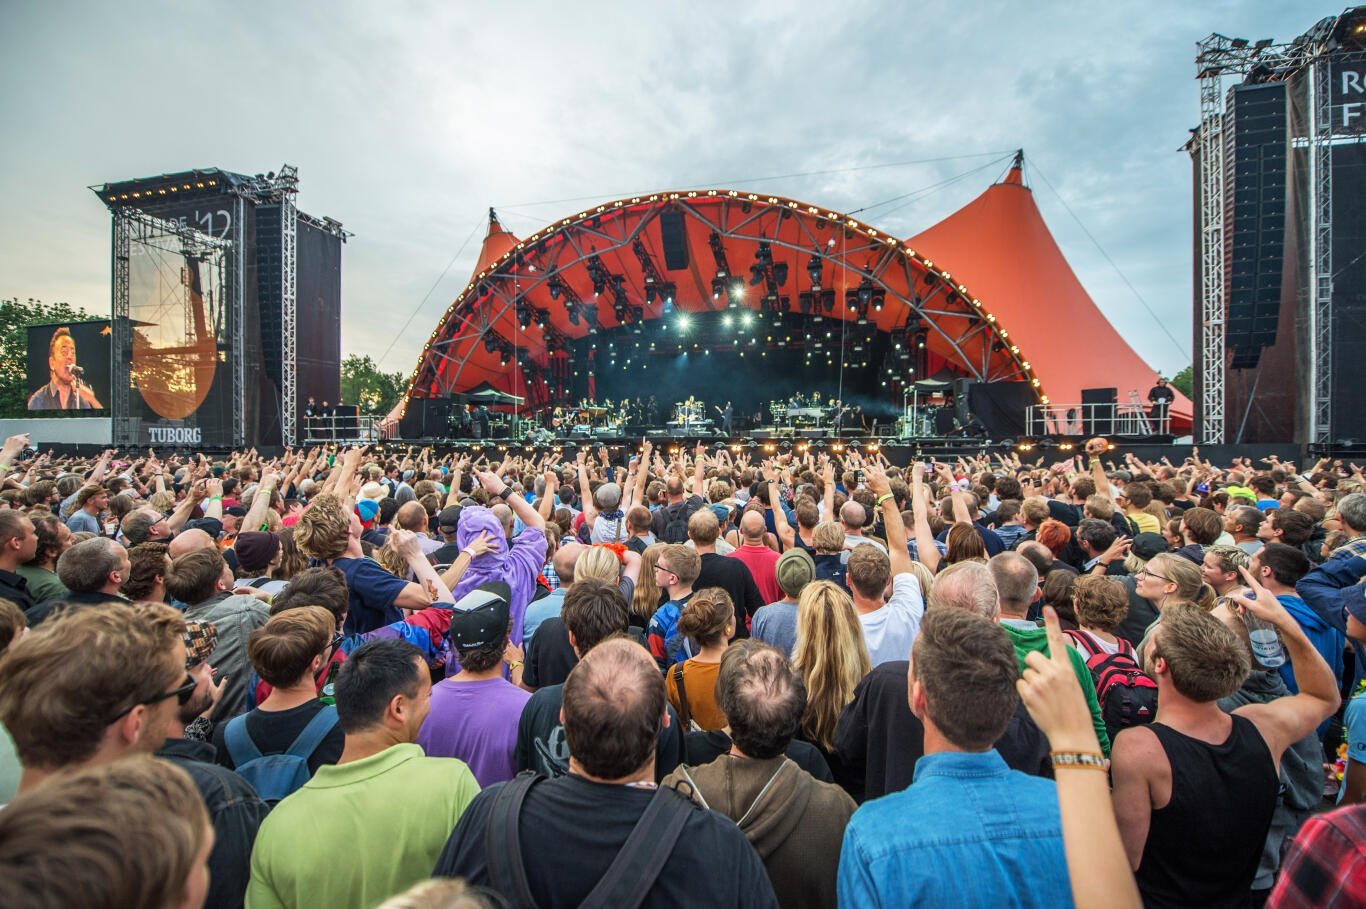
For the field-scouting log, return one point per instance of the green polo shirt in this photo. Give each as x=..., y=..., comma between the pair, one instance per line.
x=358, y=833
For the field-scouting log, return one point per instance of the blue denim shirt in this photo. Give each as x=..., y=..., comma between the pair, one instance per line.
x=968, y=832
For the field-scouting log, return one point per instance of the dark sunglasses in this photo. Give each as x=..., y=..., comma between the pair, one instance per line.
x=181, y=694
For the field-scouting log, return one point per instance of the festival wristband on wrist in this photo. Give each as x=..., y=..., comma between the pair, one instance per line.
x=1088, y=760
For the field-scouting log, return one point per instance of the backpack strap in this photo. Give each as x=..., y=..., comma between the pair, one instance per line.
x=313, y=734
x=502, y=841
x=1084, y=640
x=685, y=712
x=633, y=872
x=240, y=746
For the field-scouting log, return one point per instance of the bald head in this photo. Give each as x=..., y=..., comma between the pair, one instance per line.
x=752, y=527
x=613, y=711
x=564, y=561
x=189, y=541
x=852, y=516
x=411, y=516
x=1017, y=581
x=966, y=585
x=504, y=515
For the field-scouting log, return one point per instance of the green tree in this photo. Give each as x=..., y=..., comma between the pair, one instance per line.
x=363, y=383
x=15, y=317
x=1183, y=382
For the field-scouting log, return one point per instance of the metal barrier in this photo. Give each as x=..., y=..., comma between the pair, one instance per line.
x=346, y=428
x=1131, y=419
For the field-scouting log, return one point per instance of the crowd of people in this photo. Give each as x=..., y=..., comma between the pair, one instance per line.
x=405, y=678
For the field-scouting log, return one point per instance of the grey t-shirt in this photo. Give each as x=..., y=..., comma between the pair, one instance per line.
x=83, y=520
x=776, y=624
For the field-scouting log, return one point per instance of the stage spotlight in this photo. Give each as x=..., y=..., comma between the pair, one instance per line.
x=813, y=269
x=735, y=291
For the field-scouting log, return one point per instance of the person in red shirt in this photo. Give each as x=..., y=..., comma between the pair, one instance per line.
x=757, y=556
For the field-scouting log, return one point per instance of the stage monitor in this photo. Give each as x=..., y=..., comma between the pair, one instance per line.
x=68, y=366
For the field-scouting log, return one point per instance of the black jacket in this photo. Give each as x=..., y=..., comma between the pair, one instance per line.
x=235, y=812
x=732, y=576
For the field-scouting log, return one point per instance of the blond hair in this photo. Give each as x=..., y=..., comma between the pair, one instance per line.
x=598, y=562
x=831, y=655
x=323, y=530
x=645, y=600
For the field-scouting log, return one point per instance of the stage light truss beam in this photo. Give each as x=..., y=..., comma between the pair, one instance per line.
x=1213, y=325
x=849, y=259
x=289, y=312
x=1321, y=250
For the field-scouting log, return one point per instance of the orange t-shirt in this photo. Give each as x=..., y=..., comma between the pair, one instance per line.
x=699, y=681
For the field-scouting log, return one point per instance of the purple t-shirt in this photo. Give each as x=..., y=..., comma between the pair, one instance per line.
x=477, y=723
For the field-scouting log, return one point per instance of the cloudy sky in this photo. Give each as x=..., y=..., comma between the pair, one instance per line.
x=408, y=120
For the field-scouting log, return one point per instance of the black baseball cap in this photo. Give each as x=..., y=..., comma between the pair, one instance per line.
x=481, y=616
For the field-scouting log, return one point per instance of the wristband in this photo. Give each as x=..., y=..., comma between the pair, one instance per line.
x=1088, y=760
x=882, y=498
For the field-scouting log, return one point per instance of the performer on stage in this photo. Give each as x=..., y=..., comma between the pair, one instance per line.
x=1161, y=395
x=65, y=390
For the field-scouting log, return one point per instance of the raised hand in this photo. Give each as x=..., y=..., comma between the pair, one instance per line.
x=1052, y=695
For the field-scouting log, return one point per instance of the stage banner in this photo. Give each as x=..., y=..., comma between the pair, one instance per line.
x=68, y=366
x=1347, y=97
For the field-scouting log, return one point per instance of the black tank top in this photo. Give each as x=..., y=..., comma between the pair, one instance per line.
x=1203, y=847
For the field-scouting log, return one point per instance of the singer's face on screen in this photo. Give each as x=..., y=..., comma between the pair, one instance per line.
x=62, y=359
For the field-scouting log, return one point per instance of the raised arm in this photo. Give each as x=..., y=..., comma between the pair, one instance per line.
x=590, y=511
x=895, y=528
x=925, y=546
x=478, y=546
x=213, y=506
x=260, y=502
x=493, y=485
x=431, y=587
x=1094, y=449
x=1286, y=720
x=787, y=535
x=1097, y=864
x=547, y=504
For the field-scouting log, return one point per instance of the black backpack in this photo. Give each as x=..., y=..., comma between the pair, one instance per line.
x=1127, y=697
x=675, y=523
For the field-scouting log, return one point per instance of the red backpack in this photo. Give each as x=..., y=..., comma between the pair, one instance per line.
x=1127, y=697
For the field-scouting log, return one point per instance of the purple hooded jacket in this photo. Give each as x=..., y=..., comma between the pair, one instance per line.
x=517, y=567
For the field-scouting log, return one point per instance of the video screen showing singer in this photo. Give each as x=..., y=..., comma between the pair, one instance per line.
x=65, y=389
